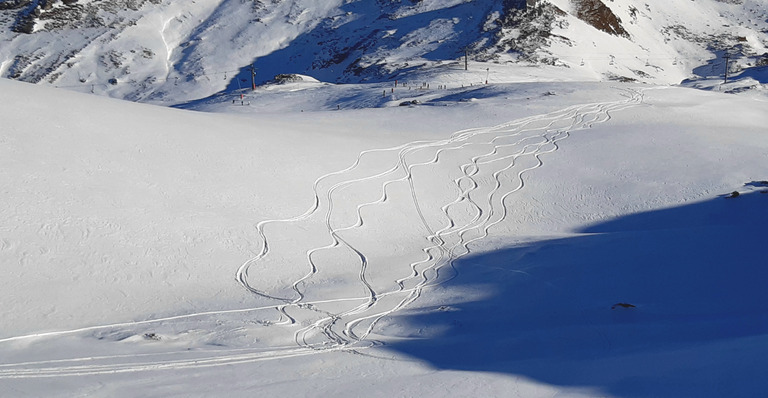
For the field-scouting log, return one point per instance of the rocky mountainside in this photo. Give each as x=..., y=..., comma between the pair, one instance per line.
x=164, y=51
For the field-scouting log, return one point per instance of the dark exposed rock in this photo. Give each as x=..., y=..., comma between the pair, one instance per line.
x=597, y=14
x=14, y=4
x=527, y=28
x=288, y=78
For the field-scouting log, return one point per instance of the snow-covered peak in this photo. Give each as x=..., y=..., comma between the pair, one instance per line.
x=165, y=52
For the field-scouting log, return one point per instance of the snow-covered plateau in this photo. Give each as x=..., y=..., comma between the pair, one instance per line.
x=399, y=222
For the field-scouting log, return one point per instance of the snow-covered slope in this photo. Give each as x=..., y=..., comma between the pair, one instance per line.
x=165, y=50
x=665, y=41
x=555, y=220
x=169, y=51
x=476, y=244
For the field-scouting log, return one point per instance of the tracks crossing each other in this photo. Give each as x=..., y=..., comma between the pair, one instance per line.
x=390, y=225
x=486, y=166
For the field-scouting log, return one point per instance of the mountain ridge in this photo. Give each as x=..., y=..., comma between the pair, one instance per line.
x=164, y=52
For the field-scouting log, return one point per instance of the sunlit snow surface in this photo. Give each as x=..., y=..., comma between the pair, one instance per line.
x=165, y=51
x=326, y=240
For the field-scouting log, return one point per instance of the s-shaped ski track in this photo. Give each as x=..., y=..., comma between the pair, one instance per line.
x=497, y=161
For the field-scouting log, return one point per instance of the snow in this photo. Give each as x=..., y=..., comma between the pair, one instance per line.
x=167, y=52
x=322, y=239
x=415, y=229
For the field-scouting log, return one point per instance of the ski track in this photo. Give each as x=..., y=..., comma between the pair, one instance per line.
x=349, y=330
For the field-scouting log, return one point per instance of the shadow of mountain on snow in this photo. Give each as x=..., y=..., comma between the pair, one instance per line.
x=696, y=275
x=353, y=46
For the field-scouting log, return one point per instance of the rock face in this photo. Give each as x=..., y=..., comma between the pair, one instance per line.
x=170, y=51
x=54, y=15
x=527, y=29
x=597, y=14
x=288, y=78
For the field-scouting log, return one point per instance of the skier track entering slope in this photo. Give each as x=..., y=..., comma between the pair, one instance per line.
x=485, y=167
x=536, y=136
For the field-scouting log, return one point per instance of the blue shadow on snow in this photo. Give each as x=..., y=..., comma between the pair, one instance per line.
x=696, y=276
x=330, y=51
